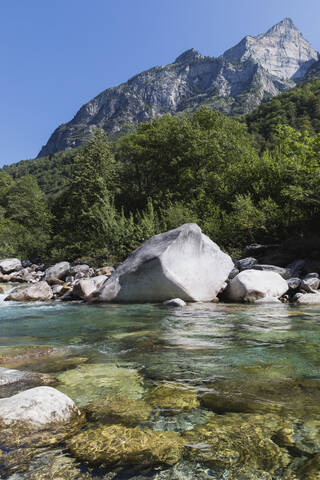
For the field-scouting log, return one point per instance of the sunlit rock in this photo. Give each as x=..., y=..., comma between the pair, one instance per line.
x=252, y=285
x=39, y=416
x=40, y=291
x=57, y=272
x=9, y=265
x=90, y=383
x=182, y=263
x=119, y=409
x=172, y=397
x=126, y=446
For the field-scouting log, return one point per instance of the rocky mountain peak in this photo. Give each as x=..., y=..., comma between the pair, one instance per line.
x=188, y=56
x=281, y=51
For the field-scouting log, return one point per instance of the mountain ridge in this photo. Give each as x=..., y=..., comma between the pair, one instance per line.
x=246, y=75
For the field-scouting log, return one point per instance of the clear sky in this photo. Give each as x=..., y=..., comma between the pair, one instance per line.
x=58, y=54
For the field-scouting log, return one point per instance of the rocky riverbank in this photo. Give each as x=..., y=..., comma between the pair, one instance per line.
x=179, y=266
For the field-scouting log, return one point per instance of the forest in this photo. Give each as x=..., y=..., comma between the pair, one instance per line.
x=243, y=180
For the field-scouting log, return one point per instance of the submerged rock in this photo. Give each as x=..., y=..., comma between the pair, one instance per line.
x=182, y=263
x=227, y=443
x=12, y=381
x=119, y=409
x=172, y=397
x=126, y=446
x=90, y=383
x=40, y=291
x=251, y=285
x=39, y=416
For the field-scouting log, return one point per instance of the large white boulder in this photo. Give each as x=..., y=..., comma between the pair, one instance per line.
x=182, y=263
x=252, y=285
x=39, y=415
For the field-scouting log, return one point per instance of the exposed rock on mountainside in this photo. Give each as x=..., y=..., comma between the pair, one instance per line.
x=252, y=72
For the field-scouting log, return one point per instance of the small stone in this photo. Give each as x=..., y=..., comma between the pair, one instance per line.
x=294, y=283
x=175, y=302
x=246, y=263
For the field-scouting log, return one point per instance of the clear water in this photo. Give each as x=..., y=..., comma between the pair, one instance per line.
x=147, y=344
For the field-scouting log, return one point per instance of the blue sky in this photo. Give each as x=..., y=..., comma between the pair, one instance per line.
x=58, y=54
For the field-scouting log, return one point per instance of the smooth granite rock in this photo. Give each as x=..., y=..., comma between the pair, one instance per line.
x=182, y=263
x=252, y=285
x=40, y=291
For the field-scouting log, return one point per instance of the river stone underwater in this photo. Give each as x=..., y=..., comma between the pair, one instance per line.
x=237, y=387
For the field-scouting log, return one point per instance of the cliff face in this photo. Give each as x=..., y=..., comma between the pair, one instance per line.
x=252, y=72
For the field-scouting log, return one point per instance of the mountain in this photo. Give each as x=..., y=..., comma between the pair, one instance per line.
x=252, y=72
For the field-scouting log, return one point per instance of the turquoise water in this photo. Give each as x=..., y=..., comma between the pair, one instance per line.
x=130, y=349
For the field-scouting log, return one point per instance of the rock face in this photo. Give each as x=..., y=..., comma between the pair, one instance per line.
x=182, y=263
x=252, y=285
x=40, y=291
x=29, y=417
x=253, y=71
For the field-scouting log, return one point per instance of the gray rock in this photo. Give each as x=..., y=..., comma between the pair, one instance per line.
x=9, y=265
x=83, y=288
x=236, y=82
x=310, y=284
x=252, y=285
x=182, y=263
x=284, y=272
x=40, y=291
x=175, y=302
x=234, y=272
x=59, y=271
x=85, y=269
x=246, y=263
x=294, y=283
x=307, y=299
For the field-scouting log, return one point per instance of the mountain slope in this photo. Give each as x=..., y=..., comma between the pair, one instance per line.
x=252, y=72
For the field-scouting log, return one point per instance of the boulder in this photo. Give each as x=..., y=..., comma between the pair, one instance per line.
x=294, y=283
x=126, y=446
x=83, y=288
x=9, y=376
x=84, y=268
x=252, y=285
x=40, y=291
x=182, y=263
x=246, y=263
x=10, y=265
x=175, y=302
x=57, y=272
x=310, y=284
x=284, y=272
x=307, y=298
x=39, y=416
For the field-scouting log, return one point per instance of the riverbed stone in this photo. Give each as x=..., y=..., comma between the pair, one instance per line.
x=172, y=397
x=92, y=382
x=120, y=445
x=40, y=291
x=182, y=263
x=9, y=265
x=37, y=417
x=57, y=272
x=252, y=285
x=246, y=263
x=119, y=409
x=235, y=442
x=310, y=284
x=12, y=381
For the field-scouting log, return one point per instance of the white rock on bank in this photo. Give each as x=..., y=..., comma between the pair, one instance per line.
x=9, y=265
x=40, y=291
x=252, y=285
x=308, y=299
x=83, y=288
x=182, y=263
